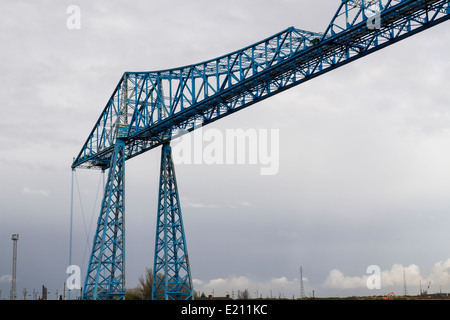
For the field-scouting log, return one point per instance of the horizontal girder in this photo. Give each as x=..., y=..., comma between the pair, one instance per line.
x=149, y=108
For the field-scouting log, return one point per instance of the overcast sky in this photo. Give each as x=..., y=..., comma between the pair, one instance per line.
x=364, y=159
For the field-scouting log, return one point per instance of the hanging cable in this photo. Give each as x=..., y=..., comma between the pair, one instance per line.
x=91, y=221
x=71, y=224
x=75, y=186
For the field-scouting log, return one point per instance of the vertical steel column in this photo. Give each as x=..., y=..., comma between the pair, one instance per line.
x=105, y=278
x=171, y=272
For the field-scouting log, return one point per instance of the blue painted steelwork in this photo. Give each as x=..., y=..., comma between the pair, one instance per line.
x=148, y=109
x=178, y=100
x=171, y=272
x=105, y=278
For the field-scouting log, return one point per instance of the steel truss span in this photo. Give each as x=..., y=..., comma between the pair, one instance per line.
x=149, y=109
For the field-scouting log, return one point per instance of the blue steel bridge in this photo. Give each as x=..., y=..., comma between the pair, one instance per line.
x=149, y=109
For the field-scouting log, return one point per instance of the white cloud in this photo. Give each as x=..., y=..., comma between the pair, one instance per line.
x=275, y=287
x=336, y=279
x=440, y=273
x=38, y=192
x=280, y=281
x=194, y=203
x=391, y=279
x=5, y=278
x=396, y=276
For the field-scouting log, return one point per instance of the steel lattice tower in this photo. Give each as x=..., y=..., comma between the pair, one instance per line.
x=171, y=272
x=302, y=288
x=105, y=277
x=13, y=293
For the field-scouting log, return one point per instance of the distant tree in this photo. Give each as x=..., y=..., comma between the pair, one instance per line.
x=133, y=294
x=144, y=290
x=243, y=295
x=198, y=295
x=146, y=284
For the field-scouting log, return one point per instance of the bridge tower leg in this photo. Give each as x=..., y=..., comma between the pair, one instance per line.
x=171, y=272
x=105, y=278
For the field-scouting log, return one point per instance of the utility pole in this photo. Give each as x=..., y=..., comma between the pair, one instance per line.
x=44, y=292
x=14, y=238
